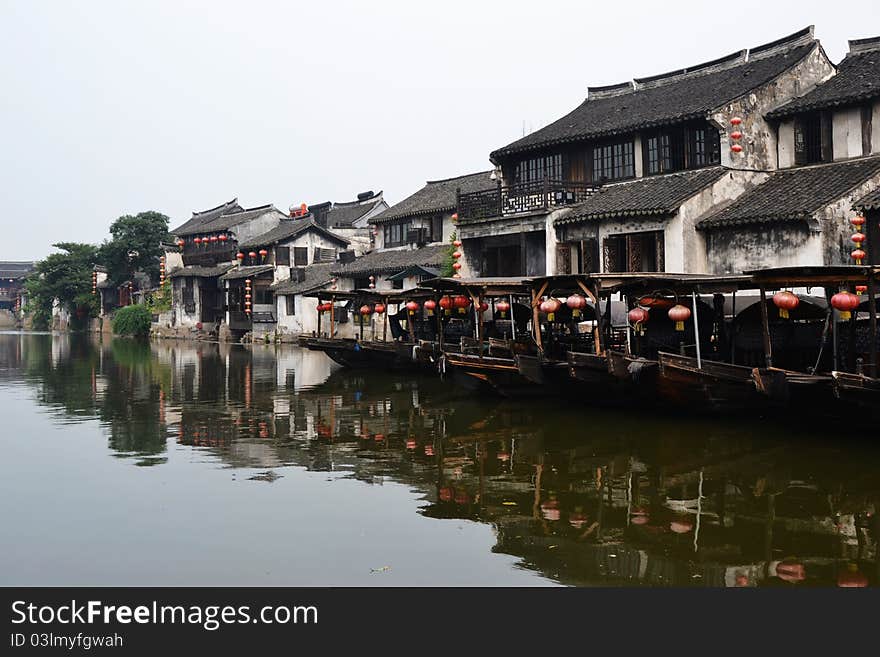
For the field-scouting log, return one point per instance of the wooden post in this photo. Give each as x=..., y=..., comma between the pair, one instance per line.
x=332, y=314
x=697, y=330
x=319, y=317
x=439, y=312
x=872, y=323
x=733, y=331
x=597, y=311
x=536, y=317
x=765, y=330
x=385, y=320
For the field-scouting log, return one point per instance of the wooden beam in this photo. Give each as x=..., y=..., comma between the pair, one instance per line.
x=597, y=329
x=872, y=323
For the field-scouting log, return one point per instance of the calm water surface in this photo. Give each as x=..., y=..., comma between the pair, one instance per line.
x=177, y=463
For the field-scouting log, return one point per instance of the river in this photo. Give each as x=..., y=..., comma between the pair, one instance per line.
x=184, y=463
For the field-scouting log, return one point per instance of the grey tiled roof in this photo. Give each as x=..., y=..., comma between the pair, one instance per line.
x=198, y=271
x=316, y=276
x=857, y=79
x=199, y=219
x=436, y=196
x=869, y=201
x=655, y=195
x=683, y=95
x=289, y=228
x=795, y=194
x=230, y=219
x=344, y=215
x=11, y=269
x=383, y=262
x=246, y=272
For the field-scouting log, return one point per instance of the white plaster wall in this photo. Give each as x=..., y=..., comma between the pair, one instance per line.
x=304, y=319
x=785, y=144
x=846, y=133
x=257, y=226
x=759, y=140
x=875, y=128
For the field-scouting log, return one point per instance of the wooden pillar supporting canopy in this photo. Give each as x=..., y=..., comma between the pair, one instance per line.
x=536, y=317
x=594, y=297
x=872, y=323
x=765, y=330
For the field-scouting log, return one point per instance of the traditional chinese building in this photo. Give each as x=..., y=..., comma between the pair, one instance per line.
x=828, y=149
x=351, y=220
x=13, y=295
x=621, y=182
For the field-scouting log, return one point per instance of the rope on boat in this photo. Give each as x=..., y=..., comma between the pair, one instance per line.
x=824, y=339
x=699, y=513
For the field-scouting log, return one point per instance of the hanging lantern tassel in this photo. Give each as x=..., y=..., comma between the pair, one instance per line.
x=679, y=314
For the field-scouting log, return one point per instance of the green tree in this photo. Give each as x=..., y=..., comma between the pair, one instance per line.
x=135, y=245
x=133, y=321
x=66, y=276
x=447, y=269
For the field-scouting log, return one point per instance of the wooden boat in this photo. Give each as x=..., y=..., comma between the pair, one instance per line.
x=504, y=376
x=356, y=354
x=715, y=385
x=636, y=373
x=590, y=369
x=858, y=390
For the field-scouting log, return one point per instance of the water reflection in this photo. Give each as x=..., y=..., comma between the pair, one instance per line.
x=585, y=497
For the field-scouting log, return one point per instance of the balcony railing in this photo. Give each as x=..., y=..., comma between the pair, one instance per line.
x=522, y=197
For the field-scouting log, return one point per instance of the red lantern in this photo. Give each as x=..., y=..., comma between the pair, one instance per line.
x=223, y=237
x=379, y=308
x=263, y=253
x=861, y=289
x=858, y=221
x=412, y=307
x=577, y=303
x=736, y=148
x=252, y=255
x=502, y=307
x=785, y=301
x=214, y=238
x=456, y=254
x=483, y=306
x=551, y=306
x=637, y=316
x=461, y=302
x=180, y=243
x=845, y=303
x=858, y=238
x=446, y=304
x=457, y=244
x=320, y=307
x=852, y=577
x=430, y=305
x=366, y=310
x=456, y=266
x=679, y=314
x=240, y=256
x=858, y=255
x=736, y=134
x=454, y=217
x=197, y=240
x=736, y=121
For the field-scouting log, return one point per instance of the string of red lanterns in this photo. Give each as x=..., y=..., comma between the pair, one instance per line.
x=736, y=135
x=247, y=296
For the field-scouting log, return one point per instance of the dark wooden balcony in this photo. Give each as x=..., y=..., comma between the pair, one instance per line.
x=522, y=197
x=210, y=255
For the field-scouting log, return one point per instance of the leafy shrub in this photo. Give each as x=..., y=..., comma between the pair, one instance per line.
x=132, y=321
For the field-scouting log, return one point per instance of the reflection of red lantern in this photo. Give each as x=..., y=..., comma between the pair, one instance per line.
x=639, y=515
x=852, y=577
x=445, y=493
x=502, y=307
x=577, y=303
x=577, y=519
x=430, y=305
x=410, y=443
x=681, y=525
x=462, y=497
x=550, y=510
x=679, y=314
x=791, y=571
x=412, y=307
x=786, y=302
x=446, y=304
x=461, y=302
x=845, y=303
x=379, y=308
x=429, y=450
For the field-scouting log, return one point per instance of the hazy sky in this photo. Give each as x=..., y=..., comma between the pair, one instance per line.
x=110, y=108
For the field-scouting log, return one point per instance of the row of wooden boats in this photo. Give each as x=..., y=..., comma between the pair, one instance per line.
x=584, y=344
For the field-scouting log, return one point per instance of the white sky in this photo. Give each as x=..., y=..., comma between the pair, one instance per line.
x=110, y=108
